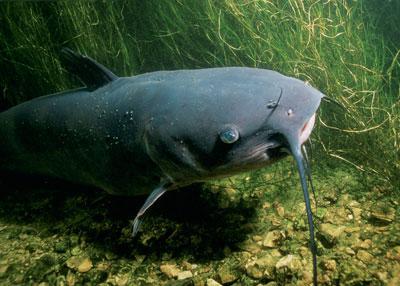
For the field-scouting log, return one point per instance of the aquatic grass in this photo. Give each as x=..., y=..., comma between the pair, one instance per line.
x=347, y=49
x=337, y=46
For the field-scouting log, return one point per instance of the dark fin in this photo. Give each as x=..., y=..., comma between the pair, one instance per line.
x=91, y=73
x=151, y=199
x=298, y=156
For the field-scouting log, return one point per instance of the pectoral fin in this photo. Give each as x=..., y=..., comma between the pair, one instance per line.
x=151, y=199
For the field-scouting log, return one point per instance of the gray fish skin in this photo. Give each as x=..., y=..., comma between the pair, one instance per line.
x=155, y=132
x=130, y=134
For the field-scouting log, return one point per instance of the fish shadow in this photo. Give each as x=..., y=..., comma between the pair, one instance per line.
x=185, y=222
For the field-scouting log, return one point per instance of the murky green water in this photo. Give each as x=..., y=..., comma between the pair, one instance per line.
x=250, y=230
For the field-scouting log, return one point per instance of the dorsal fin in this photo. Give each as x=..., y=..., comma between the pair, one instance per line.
x=91, y=73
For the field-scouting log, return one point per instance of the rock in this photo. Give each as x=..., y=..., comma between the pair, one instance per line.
x=188, y=266
x=263, y=267
x=82, y=264
x=212, y=282
x=76, y=251
x=330, y=232
x=382, y=276
x=280, y=210
x=394, y=253
x=226, y=275
x=184, y=274
x=272, y=239
x=85, y=265
x=122, y=280
x=170, y=270
x=103, y=266
x=329, y=265
x=364, y=256
x=382, y=215
x=72, y=262
x=289, y=262
x=249, y=246
x=365, y=244
x=70, y=278
x=254, y=271
x=357, y=213
x=349, y=251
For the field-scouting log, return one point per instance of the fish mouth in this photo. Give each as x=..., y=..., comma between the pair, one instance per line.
x=306, y=130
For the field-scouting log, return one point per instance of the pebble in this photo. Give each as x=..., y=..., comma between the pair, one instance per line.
x=184, y=274
x=188, y=266
x=272, y=239
x=212, y=282
x=331, y=232
x=364, y=256
x=329, y=265
x=103, y=266
x=280, y=210
x=85, y=265
x=290, y=262
x=365, y=244
x=382, y=276
x=170, y=270
x=82, y=264
x=349, y=251
x=357, y=213
x=249, y=246
x=263, y=267
x=122, y=280
x=226, y=275
x=76, y=251
x=383, y=215
x=70, y=278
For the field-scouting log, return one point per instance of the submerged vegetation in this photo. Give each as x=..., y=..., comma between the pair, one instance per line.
x=240, y=227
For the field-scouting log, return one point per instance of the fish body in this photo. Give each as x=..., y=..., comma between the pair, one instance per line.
x=127, y=135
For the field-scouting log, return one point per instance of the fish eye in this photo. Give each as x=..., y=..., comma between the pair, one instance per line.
x=229, y=135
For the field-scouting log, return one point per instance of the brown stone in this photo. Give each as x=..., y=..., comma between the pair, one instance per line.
x=170, y=270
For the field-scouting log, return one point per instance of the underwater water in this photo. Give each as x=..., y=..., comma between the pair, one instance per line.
x=250, y=229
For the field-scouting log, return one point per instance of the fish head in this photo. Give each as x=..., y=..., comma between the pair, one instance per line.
x=271, y=134
x=228, y=121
